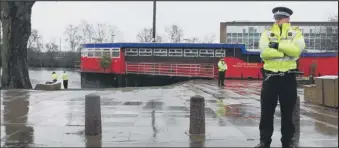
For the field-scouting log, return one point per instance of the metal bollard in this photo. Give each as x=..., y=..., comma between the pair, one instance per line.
x=197, y=115
x=92, y=115
x=296, y=120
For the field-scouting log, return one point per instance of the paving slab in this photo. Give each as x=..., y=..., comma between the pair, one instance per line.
x=152, y=117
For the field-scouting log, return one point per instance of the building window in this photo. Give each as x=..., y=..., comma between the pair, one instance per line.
x=234, y=41
x=159, y=52
x=145, y=52
x=90, y=53
x=175, y=52
x=256, y=45
x=206, y=53
x=106, y=52
x=191, y=52
x=115, y=53
x=131, y=52
x=98, y=53
x=240, y=41
x=220, y=53
x=228, y=40
x=84, y=52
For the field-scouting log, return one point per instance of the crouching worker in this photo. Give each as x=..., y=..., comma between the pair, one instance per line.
x=54, y=77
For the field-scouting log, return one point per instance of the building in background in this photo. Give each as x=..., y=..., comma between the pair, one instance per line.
x=319, y=36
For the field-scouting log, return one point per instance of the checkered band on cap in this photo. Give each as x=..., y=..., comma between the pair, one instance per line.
x=282, y=13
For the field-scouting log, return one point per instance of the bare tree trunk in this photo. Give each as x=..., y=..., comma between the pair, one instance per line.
x=16, y=21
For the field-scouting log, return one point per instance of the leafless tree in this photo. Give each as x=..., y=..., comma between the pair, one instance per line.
x=192, y=40
x=16, y=23
x=51, y=52
x=73, y=37
x=105, y=33
x=175, y=33
x=112, y=33
x=34, y=41
x=87, y=31
x=145, y=36
x=209, y=38
x=34, y=46
x=334, y=32
x=100, y=33
x=330, y=42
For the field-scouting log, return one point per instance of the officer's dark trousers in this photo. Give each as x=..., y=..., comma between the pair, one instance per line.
x=221, y=78
x=65, y=82
x=284, y=89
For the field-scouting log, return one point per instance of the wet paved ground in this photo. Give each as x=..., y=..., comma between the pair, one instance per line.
x=152, y=117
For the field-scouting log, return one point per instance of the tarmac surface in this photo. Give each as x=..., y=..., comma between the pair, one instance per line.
x=153, y=117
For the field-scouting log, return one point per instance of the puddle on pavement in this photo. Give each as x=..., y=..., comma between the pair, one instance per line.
x=242, y=110
x=211, y=101
x=93, y=141
x=197, y=141
x=325, y=129
x=154, y=105
x=177, y=108
x=132, y=103
x=240, y=98
x=119, y=115
x=110, y=102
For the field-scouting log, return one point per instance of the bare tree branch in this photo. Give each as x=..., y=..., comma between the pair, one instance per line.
x=34, y=41
x=73, y=37
x=100, y=33
x=175, y=33
x=87, y=32
x=145, y=36
x=112, y=33
x=332, y=32
x=209, y=38
x=192, y=40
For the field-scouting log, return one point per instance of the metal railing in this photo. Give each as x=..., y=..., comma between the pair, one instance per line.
x=180, y=70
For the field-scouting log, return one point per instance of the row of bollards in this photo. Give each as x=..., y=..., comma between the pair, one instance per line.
x=197, y=127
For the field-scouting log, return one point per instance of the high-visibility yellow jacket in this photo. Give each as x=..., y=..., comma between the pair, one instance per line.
x=54, y=76
x=64, y=76
x=222, y=66
x=291, y=44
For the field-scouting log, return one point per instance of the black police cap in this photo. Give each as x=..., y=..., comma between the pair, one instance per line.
x=282, y=11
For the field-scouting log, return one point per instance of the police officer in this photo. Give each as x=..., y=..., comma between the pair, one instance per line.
x=281, y=46
x=222, y=67
x=65, y=79
x=54, y=77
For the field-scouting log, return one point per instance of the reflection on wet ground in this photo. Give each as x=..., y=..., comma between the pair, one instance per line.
x=154, y=116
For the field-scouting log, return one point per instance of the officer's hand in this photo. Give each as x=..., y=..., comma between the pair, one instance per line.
x=274, y=45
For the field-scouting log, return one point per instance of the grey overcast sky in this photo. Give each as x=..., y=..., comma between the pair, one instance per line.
x=197, y=19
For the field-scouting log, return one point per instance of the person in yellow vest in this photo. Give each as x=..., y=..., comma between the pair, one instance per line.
x=65, y=79
x=222, y=67
x=281, y=46
x=54, y=77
